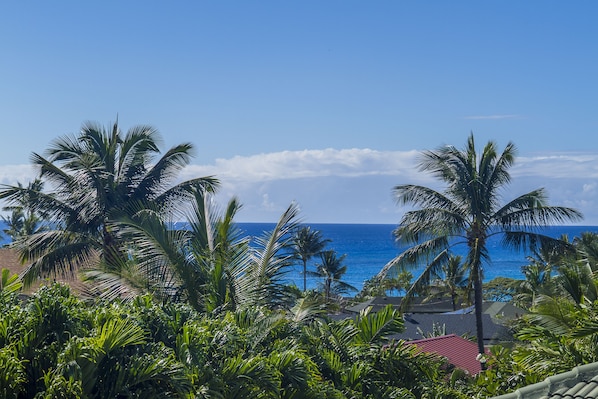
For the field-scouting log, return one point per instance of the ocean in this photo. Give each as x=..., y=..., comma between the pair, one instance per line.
x=368, y=247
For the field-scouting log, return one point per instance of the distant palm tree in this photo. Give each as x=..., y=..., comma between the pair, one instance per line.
x=453, y=279
x=332, y=270
x=23, y=220
x=307, y=243
x=469, y=212
x=445, y=275
x=96, y=178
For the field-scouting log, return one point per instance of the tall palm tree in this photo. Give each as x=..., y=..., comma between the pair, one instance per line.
x=307, y=243
x=469, y=211
x=97, y=177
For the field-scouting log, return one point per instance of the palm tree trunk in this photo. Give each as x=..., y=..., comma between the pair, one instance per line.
x=478, y=302
x=454, y=300
x=304, y=275
x=476, y=244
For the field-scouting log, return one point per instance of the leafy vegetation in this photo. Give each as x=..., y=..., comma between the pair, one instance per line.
x=56, y=345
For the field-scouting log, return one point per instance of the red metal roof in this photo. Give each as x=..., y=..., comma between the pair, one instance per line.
x=459, y=351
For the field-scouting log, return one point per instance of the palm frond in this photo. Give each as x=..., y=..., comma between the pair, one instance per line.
x=54, y=252
x=420, y=196
x=376, y=327
x=306, y=310
x=529, y=211
x=262, y=281
x=158, y=252
x=520, y=240
x=157, y=179
x=118, y=333
x=415, y=256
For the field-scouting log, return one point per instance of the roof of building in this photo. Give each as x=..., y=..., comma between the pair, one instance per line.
x=416, y=305
x=579, y=383
x=419, y=326
x=497, y=310
x=459, y=351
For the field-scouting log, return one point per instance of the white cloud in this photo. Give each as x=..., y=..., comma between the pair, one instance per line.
x=355, y=185
x=13, y=174
x=573, y=165
x=309, y=164
x=266, y=203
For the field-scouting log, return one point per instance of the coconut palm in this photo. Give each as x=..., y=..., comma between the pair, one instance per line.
x=307, y=243
x=97, y=177
x=469, y=211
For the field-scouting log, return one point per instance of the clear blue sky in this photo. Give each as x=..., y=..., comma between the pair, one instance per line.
x=319, y=102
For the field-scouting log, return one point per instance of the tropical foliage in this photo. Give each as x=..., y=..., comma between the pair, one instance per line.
x=22, y=220
x=55, y=345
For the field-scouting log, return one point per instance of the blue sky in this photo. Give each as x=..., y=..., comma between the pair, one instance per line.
x=325, y=103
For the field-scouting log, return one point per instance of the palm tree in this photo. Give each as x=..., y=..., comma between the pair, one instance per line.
x=332, y=270
x=98, y=177
x=468, y=212
x=453, y=279
x=263, y=281
x=307, y=243
x=23, y=220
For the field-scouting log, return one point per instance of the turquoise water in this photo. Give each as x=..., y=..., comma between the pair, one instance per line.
x=370, y=246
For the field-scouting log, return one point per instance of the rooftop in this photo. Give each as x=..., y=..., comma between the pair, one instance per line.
x=459, y=352
x=579, y=383
x=418, y=326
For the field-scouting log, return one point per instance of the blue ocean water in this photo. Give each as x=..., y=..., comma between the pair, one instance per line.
x=368, y=247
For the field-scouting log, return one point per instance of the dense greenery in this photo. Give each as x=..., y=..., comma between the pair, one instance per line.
x=204, y=312
x=57, y=346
